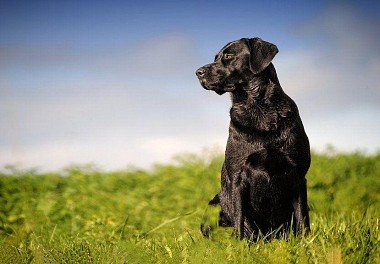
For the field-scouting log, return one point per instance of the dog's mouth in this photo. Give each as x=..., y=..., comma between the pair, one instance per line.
x=209, y=86
x=218, y=88
x=229, y=87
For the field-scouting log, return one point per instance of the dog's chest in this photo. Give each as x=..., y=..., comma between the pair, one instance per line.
x=239, y=147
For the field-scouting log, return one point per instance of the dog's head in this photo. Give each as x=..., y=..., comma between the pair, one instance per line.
x=236, y=64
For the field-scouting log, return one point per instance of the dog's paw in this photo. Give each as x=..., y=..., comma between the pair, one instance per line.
x=205, y=230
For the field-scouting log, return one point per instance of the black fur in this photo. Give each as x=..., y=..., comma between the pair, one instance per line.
x=263, y=185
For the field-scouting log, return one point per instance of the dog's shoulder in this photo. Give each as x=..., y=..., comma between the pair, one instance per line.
x=264, y=113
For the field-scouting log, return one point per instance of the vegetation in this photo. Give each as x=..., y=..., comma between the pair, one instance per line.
x=84, y=215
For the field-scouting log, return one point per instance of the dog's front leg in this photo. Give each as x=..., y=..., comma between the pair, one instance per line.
x=301, y=210
x=239, y=195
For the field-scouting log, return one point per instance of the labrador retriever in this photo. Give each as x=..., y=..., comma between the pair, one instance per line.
x=263, y=184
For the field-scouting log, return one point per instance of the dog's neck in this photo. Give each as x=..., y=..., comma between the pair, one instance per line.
x=259, y=87
x=253, y=105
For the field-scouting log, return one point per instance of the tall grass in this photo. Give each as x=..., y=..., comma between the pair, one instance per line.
x=84, y=215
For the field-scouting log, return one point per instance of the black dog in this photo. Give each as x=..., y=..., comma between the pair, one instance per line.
x=263, y=185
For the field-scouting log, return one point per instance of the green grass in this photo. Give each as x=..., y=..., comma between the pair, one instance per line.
x=83, y=215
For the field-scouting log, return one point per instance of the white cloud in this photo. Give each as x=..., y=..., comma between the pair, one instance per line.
x=343, y=70
x=151, y=110
x=165, y=56
x=335, y=82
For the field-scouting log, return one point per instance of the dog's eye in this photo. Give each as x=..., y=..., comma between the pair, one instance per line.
x=228, y=56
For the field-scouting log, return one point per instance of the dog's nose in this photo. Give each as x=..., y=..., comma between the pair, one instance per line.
x=200, y=72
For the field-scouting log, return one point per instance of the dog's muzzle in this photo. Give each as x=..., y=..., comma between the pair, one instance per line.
x=220, y=87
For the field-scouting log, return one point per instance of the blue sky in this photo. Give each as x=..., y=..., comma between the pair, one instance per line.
x=113, y=82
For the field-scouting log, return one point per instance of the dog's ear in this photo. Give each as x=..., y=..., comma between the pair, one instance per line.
x=261, y=54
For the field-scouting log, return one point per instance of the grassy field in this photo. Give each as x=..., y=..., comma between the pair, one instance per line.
x=84, y=215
